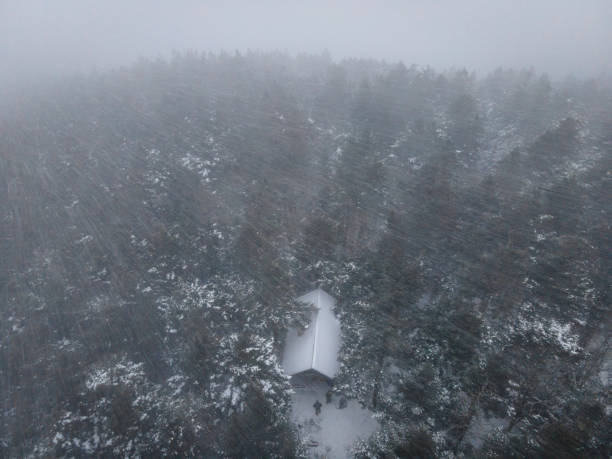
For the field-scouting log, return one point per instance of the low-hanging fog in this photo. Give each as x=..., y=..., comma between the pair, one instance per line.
x=305, y=229
x=559, y=37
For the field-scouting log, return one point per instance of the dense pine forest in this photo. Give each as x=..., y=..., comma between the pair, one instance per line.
x=158, y=221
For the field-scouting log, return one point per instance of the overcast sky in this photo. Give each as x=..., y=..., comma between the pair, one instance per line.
x=41, y=37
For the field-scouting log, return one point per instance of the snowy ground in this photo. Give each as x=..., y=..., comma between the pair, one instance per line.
x=335, y=430
x=482, y=426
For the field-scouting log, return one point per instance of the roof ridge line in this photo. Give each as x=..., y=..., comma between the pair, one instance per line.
x=316, y=331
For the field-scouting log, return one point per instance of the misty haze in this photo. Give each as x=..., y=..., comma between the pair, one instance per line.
x=323, y=229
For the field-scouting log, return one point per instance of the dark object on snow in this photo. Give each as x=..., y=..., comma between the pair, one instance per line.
x=312, y=444
x=328, y=396
x=342, y=403
x=317, y=406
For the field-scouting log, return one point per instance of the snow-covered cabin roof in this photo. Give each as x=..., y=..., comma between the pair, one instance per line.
x=316, y=348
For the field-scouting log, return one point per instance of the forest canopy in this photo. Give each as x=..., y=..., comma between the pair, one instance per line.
x=157, y=222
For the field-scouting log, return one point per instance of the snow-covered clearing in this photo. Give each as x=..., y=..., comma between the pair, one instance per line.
x=482, y=426
x=334, y=430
